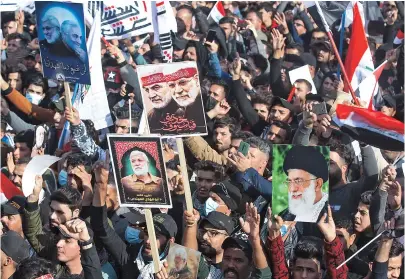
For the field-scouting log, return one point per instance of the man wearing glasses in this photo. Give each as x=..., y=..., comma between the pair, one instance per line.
x=306, y=201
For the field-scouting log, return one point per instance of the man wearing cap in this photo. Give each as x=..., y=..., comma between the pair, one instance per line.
x=224, y=198
x=306, y=201
x=134, y=260
x=281, y=110
x=14, y=249
x=141, y=181
x=207, y=237
x=159, y=94
x=389, y=105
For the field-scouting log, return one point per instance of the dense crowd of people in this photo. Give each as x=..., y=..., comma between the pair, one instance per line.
x=79, y=230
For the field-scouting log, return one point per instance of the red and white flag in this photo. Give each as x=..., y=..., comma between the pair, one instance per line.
x=359, y=62
x=399, y=37
x=371, y=127
x=8, y=189
x=368, y=88
x=217, y=12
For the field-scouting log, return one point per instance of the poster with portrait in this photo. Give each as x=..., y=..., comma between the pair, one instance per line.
x=300, y=182
x=41, y=136
x=171, y=96
x=139, y=171
x=62, y=41
x=183, y=262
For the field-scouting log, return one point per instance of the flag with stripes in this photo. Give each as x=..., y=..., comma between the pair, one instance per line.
x=164, y=23
x=217, y=12
x=371, y=127
x=399, y=38
x=8, y=189
x=124, y=19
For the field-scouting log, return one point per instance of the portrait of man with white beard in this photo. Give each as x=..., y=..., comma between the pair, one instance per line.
x=305, y=171
x=139, y=170
x=141, y=181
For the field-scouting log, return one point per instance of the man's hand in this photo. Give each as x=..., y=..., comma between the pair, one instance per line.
x=76, y=229
x=101, y=172
x=235, y=68
x=114, y=50
x=191, y=218
x=279, y=18
x=168, y=153
x=389, y=175
x=325, y=128
x=211, y=46
x=162, y=273
x=84, y=176
x=308, y=117
x=39, y=182
x=20, y=17
x=222, y=108
x=3, y=44
x=240, y=162
x=72, y=116
x=4, y=84
x=177, y=182
x=274, y=226
x=251, y=224
x=37, y=151
x=10, y=162
x=328, y=229
x=394, y=195
x=190, y=36
x=34, y=44
x=278, y=43
x=391, y=16
x=81, y=54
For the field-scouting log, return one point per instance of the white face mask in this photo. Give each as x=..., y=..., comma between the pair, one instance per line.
x=34, y=98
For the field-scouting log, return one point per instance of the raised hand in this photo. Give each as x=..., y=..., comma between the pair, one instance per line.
x=251, y=224
x=309, y=118
x=72, y=116
x=10, y=162
x=235, y=68
x=278, y=43
x=162, y=273
x=279, y=18
x=222, y=108
x=191, y=218
x=328, y=229
x=39, y=182
x=240, y=161
x=76, y=229
x=101, y=172
x=274, y=226
x=82, y=174
x=394, y=195
x=211, y=46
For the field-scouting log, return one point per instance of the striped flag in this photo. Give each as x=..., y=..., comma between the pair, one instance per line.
x=359, y=62
x=371, y=127
x=399, y=38
x=217, y=12
x=8, y=189
x=164, y=24
x=369, y=88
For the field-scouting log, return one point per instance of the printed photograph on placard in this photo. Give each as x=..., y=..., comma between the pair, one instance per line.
x=171, y=95
x=183, y=262
x=41, y=136
x=139, y=171
x=300, y=182
x=62, y=41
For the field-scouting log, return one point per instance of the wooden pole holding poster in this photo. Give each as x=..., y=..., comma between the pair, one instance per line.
x=184, y=174
x=152, y=239
x=68, y=96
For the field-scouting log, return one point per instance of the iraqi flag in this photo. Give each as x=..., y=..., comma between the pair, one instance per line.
x=8, y=189
x=369, y=88
x=399, y=38
x=359, y=62
x=371, y=127
x=217, y=12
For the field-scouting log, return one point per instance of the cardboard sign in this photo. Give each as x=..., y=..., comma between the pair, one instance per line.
x=171, y=96
x=62, y=41
x=300, y=189
x=183, y=262
x=139, y=171
x=302, y=73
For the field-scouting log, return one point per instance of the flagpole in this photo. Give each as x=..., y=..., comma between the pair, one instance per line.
x=342, y=67
x=342, y=35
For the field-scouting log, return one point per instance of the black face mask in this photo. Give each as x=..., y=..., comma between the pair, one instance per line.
x=210, y=103
x=335, y=174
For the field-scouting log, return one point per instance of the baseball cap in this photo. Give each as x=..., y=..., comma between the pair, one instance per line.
x=134, y=217
x=13, y=206
x=14, y=246
x=389, y=101
x=234, y=242
x=220, y=221
x=277, y=100
x=228, y=193
x=165, y=224
x=58, y=105
x=326, y=45
x=308, y=59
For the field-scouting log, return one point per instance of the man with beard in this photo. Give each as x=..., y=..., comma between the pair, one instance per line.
x=52, y=43
x=16, y=171
x=134, y=260
x=306, y=201
x=13, y=251
x=157, y=91
x=65, y=205
x=141, y=181
x=208, y=237
x=72, y=39
x=185, y=87
x=180, y=270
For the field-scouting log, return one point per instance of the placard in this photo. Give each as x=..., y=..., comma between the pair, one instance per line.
x=139, y=171
x=183, y=262
x=171, y=96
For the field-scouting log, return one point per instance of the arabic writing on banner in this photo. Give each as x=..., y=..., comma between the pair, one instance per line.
x=126, y=19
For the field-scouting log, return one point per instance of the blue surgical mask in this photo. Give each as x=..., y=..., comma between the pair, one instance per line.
x=34, y=98
x=209, y=206
x=62, y=178
x=132, y=235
